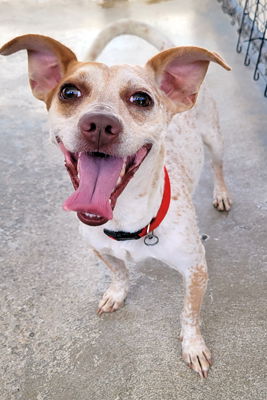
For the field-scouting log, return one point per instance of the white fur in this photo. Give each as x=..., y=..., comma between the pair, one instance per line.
x=179, y=240
x=177, y=143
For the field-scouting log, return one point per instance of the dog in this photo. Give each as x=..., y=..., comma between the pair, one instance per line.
x=134, y=157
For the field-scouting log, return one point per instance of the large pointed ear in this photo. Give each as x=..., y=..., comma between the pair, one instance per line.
x=48, y=61
x=180, y=71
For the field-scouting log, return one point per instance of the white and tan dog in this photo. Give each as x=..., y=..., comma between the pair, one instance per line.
x=121, y=130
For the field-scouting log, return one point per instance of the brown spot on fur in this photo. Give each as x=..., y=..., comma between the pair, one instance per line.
x=194, y=293
x=186, y=174
x=140, y=114
x=68, y=107
x=49, y=98
x=74, y=67
x=77, y=78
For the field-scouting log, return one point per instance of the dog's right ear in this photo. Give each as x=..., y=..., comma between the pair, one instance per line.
x=48, y=61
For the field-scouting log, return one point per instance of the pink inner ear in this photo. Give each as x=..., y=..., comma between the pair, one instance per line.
x=181, y=82
x=44, y=71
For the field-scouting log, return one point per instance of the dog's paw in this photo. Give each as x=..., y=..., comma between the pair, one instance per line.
x=196, y=355
x=222, y=200
x=112, y=300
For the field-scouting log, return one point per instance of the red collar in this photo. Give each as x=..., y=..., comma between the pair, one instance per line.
x=154, y=223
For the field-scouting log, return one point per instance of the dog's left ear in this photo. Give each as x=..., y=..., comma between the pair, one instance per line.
x=48, y=61
x=180, y=71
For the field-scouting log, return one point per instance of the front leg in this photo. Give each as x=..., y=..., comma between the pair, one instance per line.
x=194, y=350
x=114, y=296
x=186, y=254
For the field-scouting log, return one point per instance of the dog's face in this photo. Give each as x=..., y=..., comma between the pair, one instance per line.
x=112, y=110
x=107, y=120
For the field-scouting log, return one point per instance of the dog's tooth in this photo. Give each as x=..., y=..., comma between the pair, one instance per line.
x=122, y=173
x=92, y=215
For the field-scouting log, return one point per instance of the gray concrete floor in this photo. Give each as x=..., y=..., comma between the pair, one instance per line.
x=53, y=346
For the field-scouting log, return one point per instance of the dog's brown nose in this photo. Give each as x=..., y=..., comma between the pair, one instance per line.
x=100, y=129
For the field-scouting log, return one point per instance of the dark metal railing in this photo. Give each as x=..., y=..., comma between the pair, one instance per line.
x=251, y=16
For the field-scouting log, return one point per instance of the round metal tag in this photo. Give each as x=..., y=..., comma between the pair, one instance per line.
x=151, y=239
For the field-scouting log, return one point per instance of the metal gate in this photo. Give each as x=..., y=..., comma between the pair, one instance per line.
x=251, y=16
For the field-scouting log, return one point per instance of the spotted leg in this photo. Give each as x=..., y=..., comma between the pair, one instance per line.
x=114, y=297
x=221, y=198
x=194, y=350
x=213, y=139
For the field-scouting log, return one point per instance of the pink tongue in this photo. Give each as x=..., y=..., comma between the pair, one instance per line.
x=98, y=178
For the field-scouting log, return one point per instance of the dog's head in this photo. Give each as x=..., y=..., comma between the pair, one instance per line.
x=107, y=120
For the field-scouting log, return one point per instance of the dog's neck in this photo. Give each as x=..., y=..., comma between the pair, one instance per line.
x=141, y=199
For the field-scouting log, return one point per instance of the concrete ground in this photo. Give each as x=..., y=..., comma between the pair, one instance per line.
x=53, y=346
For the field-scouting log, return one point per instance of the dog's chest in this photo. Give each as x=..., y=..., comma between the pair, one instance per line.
x=184, y=158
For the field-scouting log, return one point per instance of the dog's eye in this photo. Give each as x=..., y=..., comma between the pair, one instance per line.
x=141, y=99
x=70, y=92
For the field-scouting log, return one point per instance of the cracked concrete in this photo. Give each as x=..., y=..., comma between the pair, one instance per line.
x=53, y=346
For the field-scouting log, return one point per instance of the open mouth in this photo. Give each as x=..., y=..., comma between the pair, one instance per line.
x=98, y=180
